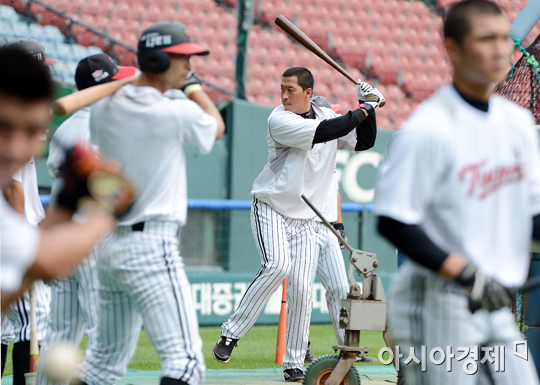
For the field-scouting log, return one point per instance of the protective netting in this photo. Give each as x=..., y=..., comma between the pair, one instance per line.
x=523, y=88
x=523, y=84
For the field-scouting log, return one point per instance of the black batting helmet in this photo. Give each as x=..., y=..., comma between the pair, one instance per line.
x=33, y=47
x=162, y=38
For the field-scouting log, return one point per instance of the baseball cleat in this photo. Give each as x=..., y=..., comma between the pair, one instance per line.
x=293, y=375
x=309, y=356
x=222, y=350
x=362, y=357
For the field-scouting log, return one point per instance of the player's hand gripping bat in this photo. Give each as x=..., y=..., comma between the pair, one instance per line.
x=295, y=32
x=73, y=102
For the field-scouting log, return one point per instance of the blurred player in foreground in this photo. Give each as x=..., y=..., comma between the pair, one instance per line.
x=460, y=195
x=141, y=273
x=303, y=139
x=23, y=196
x=74, y=299
x=53, y=249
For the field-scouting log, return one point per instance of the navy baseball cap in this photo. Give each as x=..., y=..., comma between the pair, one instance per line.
x=33, y=47
x=170, y=37
x=98, y=69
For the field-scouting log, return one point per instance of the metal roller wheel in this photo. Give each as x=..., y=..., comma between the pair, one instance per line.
x=319, y=370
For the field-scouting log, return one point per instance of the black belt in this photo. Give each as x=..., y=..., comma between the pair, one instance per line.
x=138, y=226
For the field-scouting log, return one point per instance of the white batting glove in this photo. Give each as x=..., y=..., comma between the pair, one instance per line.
x=365, y=93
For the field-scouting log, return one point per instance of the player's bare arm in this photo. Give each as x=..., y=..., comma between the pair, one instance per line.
x=14, y=194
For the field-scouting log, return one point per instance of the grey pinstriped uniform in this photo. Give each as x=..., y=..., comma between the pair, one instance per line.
x=283, y=225
x=330, y=269
x=7, y=330
x=74, y=310
x=287, y=250
x=142, y=280
x=19, y=311
x=74, y=300
x=18, y=314
x=428, y=310
x=141, y=274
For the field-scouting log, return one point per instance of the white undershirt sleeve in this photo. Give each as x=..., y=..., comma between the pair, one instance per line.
x=17, y=176
x=292, y=130
x=18, y=247
x=407, y=180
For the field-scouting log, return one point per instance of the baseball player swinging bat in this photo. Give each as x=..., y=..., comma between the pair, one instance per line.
x=295, y=32
x=73, y=102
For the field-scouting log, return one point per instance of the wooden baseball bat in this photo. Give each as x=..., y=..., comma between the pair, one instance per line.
x=73, y=102
x=295, y=32
x=282, y=325
x=34, y=350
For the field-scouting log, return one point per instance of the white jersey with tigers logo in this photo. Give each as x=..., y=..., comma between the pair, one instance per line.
x=471, y=180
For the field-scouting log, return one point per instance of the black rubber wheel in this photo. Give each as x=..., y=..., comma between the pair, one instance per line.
x=319, y=370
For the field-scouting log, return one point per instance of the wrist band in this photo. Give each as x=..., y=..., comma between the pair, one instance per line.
x=192, y=88
x=368, y=107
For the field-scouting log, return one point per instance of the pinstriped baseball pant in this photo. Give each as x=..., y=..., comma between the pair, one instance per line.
x=74, y=310
x=18, y=314
x=142, y=279
x=287, y=250
x=426, y=310
x=7, y=330
x=330, y=268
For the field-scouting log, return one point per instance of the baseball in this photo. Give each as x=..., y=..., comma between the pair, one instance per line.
x=61, y=360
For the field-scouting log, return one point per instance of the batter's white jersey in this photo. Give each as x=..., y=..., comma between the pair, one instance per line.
x=470, y=179
x=154, y=130
x=296, y=166
x=331, y=207
x=33, y=209
x=18, y=246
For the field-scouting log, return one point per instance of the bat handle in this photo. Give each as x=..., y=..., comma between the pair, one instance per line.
x=34, y=349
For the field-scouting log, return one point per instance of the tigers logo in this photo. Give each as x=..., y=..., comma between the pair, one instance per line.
x=483, y=183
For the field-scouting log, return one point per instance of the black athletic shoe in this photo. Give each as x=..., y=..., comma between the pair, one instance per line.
x=223, y=349
x=309, y=356
x=293, y=375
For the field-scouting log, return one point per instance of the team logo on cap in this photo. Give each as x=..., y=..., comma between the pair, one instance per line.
x=154, y=39
x=99, y=75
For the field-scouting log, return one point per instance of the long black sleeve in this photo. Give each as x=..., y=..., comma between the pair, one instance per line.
x=413, y=241
x=366, y=133
x=536, y=227
x=334, y=128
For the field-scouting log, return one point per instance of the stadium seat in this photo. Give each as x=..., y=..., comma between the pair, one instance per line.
x=50, y=49
x=36, y=31
x=53, y=34
x=78, y=52
x=7, y=13
x=20, y=29
x=94, y=50
x=5, y=30
x=64, y=51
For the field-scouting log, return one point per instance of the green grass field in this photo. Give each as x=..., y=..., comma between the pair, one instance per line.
x=256, y=350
